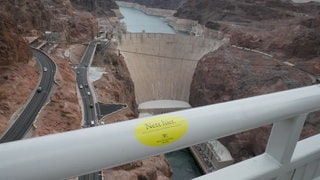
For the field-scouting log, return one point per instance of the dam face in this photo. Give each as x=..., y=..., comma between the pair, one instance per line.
x=162, y=65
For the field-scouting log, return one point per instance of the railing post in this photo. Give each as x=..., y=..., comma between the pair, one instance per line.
x=284, y=137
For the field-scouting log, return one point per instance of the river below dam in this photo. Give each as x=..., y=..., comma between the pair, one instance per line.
x=182, y=162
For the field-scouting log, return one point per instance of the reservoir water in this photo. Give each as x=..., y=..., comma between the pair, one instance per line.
x=183, y=164
x=137, y=21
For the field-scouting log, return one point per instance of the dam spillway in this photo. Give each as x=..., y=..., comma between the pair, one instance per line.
x=162, y=65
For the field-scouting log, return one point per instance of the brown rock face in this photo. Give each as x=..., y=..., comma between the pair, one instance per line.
x=306, y=44
x=231, y=73
x=18, y=76
x=28, y=14
x=116, y=85
x=287, y=31
x=17, y=82
x=96, y=7
x=284, y=29
x=242, y=11
x=57, y=16
x=13, y=48
x=151, y=168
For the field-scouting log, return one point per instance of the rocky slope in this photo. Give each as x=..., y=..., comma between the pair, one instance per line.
x=231, y=73
x=100, y=8
x=35, y=17
x=16, y=68
x=286, y=31
x=116, y=85
x=13, y=48
x=14, y=92
x=243, y=11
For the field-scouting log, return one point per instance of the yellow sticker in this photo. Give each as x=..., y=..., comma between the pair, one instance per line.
x=162, y=130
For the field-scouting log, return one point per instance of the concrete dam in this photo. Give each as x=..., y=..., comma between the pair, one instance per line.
x=162, y=65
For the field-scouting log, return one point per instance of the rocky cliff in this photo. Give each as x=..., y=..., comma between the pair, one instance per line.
x=233, y=73
x=116, y=85
x=36, y=17
x=96, y=7
x=13, y=48
x=28, y=14
x=284, y=29
x=243, y=11
x=274, y=45
x=16, y=68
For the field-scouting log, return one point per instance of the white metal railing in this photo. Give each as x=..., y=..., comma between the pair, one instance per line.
x=88, y=150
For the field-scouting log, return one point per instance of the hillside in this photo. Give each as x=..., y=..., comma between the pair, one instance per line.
x=36, y=17
x=16, y=68
x=284, y=29
x=274, y=46
x=96, y=7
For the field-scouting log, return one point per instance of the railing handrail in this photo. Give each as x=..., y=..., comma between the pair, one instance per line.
x=87, y=150
x=265, y=166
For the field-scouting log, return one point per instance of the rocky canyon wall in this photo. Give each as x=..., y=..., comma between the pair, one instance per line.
x=13, y=48
x=16, y=68
x=232, y=73
x=97, y=7
x=285, y=34
x=36, y=17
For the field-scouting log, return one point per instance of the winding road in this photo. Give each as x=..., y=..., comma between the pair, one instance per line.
x=84, y=86
x=90, y=115
x=24, y=122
